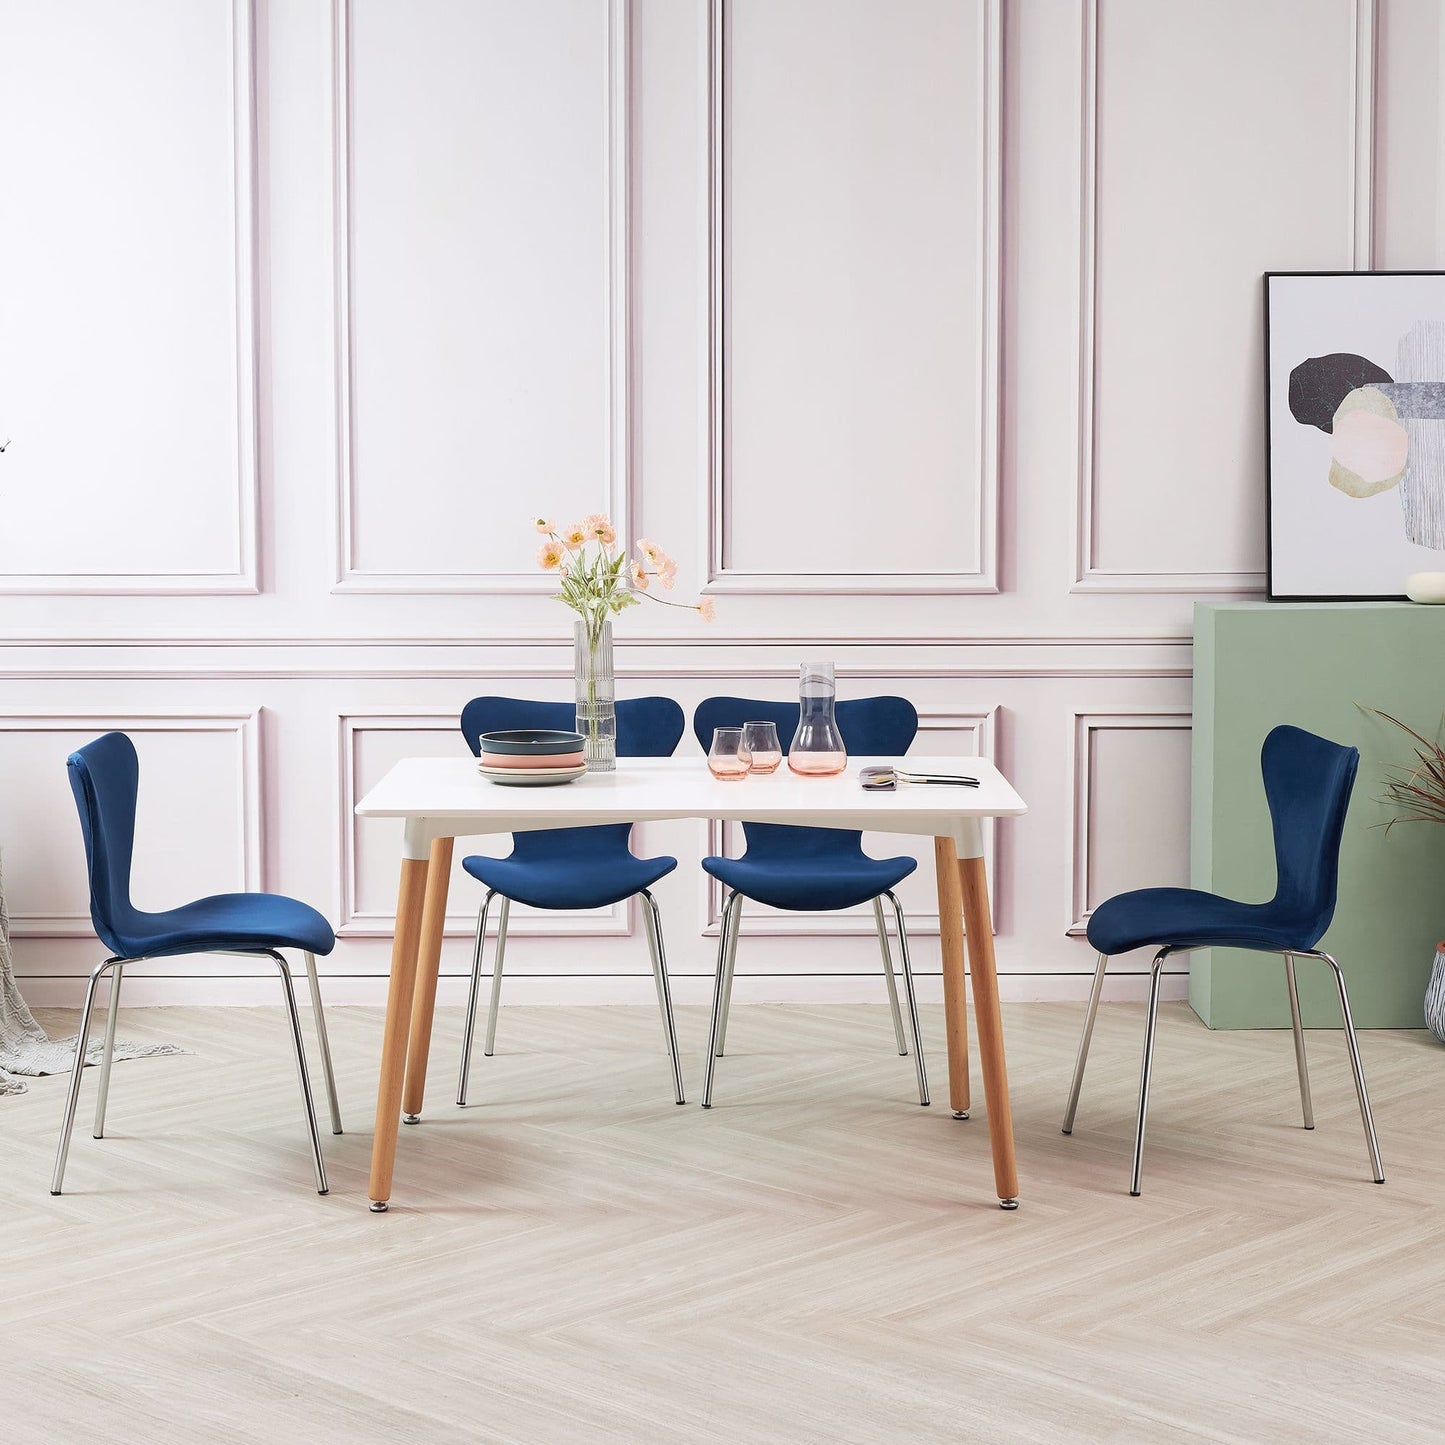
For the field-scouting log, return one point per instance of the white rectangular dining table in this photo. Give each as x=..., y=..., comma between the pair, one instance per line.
x=442, y=799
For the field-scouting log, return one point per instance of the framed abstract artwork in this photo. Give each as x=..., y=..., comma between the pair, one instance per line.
x=1355, y=408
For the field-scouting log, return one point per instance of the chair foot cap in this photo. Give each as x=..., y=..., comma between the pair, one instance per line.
x=1008, y=1204
x=1066, y=1131
x=411, y=1118
x=707, y=1106
x=55, y=1193
x=379, y=1206
x=1310, y=1127
x=1379, y=1181
x=1134, y=1194
x=960, y=1113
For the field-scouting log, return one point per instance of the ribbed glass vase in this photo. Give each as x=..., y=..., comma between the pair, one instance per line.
x=596, y=695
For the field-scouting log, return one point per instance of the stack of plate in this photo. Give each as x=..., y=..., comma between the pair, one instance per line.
x=531, y=757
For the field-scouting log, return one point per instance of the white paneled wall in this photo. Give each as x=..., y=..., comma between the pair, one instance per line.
x=925, y=333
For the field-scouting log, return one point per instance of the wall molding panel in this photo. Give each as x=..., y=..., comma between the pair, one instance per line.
x=977, y=573
x=1090, y=575
x=980, y=727
x=615, y=465
x=1084, y=788
x=244, y=729
x=465, y=896
x=243, y=480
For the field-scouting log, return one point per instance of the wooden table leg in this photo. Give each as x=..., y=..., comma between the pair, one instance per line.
x=955, y=988
x=973, y=882
x=398, y=1020
x=428, y=966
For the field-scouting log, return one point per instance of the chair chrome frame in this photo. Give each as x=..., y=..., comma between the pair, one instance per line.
x=113, y=966
x=727, y=952
x=1301, y=1064
x=652, y=926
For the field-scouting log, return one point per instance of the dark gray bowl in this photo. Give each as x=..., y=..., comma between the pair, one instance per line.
x=532, y=742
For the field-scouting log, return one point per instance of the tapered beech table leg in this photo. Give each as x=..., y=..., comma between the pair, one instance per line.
x=955, y=988
x=428, y=966
x=989, y=1022
x=398, y=1021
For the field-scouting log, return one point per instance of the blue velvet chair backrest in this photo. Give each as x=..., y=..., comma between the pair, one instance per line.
x=871, y=726
x=647, y=727
x=1307, y=782
x=105, y=778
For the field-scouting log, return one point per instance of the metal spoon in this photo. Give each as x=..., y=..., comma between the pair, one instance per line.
x=885, y=779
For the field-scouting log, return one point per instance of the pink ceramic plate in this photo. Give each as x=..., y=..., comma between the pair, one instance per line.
x=534, y=760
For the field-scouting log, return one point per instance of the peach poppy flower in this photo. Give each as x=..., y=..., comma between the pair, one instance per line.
x=545, y=525
x=707, y=609
x=574, y=537
x=652, y=554
x=667, y=573
x=639, y=576
x=549, y=556
x=604, y=531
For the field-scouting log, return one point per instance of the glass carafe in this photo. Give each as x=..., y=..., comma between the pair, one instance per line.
x=817, y=749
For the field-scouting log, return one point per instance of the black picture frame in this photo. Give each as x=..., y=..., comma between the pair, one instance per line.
x=1278, y=413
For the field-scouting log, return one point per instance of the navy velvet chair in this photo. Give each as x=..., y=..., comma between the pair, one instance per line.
x=105, y=778
x=571, y=867
x=1307, y=784
x=812, y=869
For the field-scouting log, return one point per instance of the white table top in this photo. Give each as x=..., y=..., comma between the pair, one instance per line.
x=444, y=797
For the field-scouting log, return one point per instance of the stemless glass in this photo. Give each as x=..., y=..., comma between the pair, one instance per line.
x=728, y=758
x=761, y=740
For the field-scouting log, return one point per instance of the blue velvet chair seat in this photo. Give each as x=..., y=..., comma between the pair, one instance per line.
x=1186, y=918
x=806, y=884
x=573, y=868
x=225, y=922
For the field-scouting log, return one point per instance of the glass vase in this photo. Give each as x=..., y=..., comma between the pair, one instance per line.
x=596, y=694
x=817, y=750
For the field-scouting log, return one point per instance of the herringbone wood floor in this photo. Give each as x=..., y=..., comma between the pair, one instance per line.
x=575, y=1259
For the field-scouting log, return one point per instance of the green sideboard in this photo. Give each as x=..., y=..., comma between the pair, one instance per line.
x=1257, y=664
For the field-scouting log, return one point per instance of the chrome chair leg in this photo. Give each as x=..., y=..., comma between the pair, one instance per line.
x=318, y=1018
x=1072, y=1107
x=1155, y=978
x=888, y=974
x=1359, y=1071
x=301, y=1072
x=108, y=1053
x=912, y=998
x=72, y=1094
x=1301, y=1063
x=497, y=977
x=652, y=921
x=727, y=988
x=727, y=935
x=470, y=1026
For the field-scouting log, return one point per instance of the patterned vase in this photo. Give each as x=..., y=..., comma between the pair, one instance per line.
x=1435, y=996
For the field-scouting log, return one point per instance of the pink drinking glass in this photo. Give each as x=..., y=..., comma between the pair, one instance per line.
x=761, y=740
x=728, y=759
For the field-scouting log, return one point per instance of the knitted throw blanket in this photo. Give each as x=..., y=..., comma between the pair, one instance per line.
x=24, y=1047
